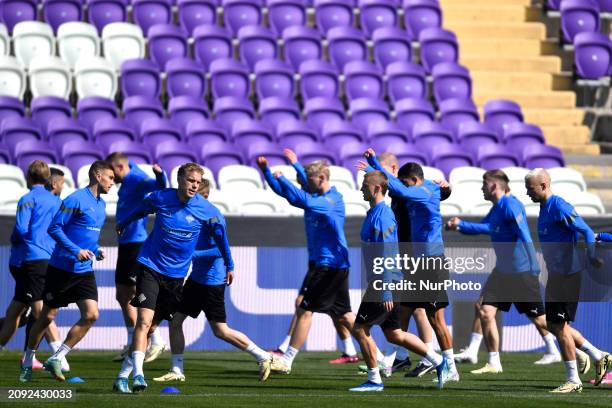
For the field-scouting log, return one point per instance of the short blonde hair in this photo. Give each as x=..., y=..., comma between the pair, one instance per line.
x=388, y=158
x=318, y=167
x=38, y=172
x=188, y=168
x=204, y=187
x=378, y=178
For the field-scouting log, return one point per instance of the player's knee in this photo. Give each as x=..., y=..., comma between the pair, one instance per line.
x=358, y=331
x=220, y=331
x=555, y=328
x=486, y=314
x=392, y=336
x=91, y=316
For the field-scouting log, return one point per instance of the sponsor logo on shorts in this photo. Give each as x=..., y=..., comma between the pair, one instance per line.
x=534, y=311
x=363, y=316
x=561, y=315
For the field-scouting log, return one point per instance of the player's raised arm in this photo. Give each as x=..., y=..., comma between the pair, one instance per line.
x=604, y=236
x=145, y=207
x=302, y=199
x=262, y=163
x=160, y=181
x=300, y=171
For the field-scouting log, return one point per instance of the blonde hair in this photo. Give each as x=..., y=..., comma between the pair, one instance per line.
x=188, y=168
x=38, y=172
x=388, y=158
x=318, y=167
x=378, y=178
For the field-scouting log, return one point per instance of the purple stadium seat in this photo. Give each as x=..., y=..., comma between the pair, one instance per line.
x=544, y=156
x=350, y=154
x=5, y=156
x=473, y=135
x=365, y=111
x=446, y=157
x=430, y=134
x=409, y=112
x=106, y=132
x=346, y=44
x=301, y=44
x=241, y=13
x=77, y=154
x=147, y=13
x=137, y=109
x=137, y=152
x=337, y=133
x=319, y=111
x=61, y=131
x=185, y=77
x=362, y=79
x=10, y=107
x=578, y=16
x=456, y=112
x=200, y=131
x=250, y=131
x=593, y=55
x=103, y=12
x=500, y=113
x=193, y=13
x=167, y=41
x=522, y=134
x=94, y=108
x=216, y=155
x=605, y=6
x=155, y=131
x=437, y=45
x=553, y=4
x=229, y=110
x=391, y=44
x=16, y=11
x=256, y=43
x=420, y=15
x=405, y=152
x=270, y=150
x=28, y=150
x=172, y=154
x=273, y=78
x=211, y=42
x=286, y=13
x=318, y=79
x=333, y=13
x=184, y=109
x=275, y=110
x=496, y=156
x=46, y=108
x=375, y=14
x=311, y=151
x=387, y=133
x=229, y=78
x=57, y=12
x=406, y=80
x=17, y=129
x=293, y=132
x=140, y=77
x=451, y=80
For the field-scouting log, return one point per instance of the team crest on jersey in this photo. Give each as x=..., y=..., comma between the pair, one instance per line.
x=190, y=218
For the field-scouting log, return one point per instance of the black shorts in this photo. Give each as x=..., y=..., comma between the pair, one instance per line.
x=434, y=272
x=374, y=313
x=63, y=287
x=209, y=299
x=158, y=292
x=524, y=287
x=307, y=277
x=562, y=295
x=328, y=292
x=29, y=280
x=128, y=267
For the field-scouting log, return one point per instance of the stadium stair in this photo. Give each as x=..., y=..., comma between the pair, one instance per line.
x=597, y=172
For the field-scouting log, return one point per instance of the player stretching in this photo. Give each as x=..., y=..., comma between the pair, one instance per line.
x=181, y=216
x=204, y=291
x=379, y=235
x=70, y=277
x=559, y=227
x=135, y=185
x=516, y=266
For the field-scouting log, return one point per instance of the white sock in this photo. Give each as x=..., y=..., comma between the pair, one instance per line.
x=29, y=357
x=475, y=341
x=551, y=347
x=283, y=346
x=389, y=359
x=494, y=360
x=177, y=363
x=348, y=347
x=433, y=358
x=374, y=375
x=402, y=353
x=138, y=361
x=130, y=335
x=156, y=338
x=256, y=352
x=55, y=345
x=591, y=350
x=424, y=360
x=290, y=355
x=61, y=352
x=450, y=358
x=571, y=371
x=126, y=367
x=379, y=355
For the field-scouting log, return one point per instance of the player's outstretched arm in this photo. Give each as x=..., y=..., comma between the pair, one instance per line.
x=469, y=228
x=161, y=178
x=145, y=207
x=211, y=253
x=302, y=199
x=300, y=172
x=68, y=209
x=262, y=163
x=604, y=237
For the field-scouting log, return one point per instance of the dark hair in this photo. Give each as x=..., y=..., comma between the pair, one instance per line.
x=411, y=169
x=38, y=172
x=56, y=172
x=97, y=166
x=498, y=176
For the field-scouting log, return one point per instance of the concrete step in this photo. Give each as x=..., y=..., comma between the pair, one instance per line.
x=554, y=117
x=584, y=149
x=488, y=12
x=566, y=135
x=484, y=81
x=556, y=99
x=482, y=62
x=465, y=30
x=505, y=47
x=447, y=3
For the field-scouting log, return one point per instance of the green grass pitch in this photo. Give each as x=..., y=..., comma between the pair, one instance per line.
x=229, y=379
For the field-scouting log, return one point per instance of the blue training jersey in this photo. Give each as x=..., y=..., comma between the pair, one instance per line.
x=207, y=267
x=77, y=226
x=506, y=223
x=178, y=225
x=604, y=237
x=30, y=240
x=134, y=187
x=559, y=229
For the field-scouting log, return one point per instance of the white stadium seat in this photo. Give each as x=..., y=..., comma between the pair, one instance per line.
x=95, y=76
x=208, y=174
x=222, y=200
x=50, y=76
x=12, y=77
x=10, y=197
x=239, y=177
x=466, y=180
x=66, y=192
x=452, y=206
x=68, y=179
x=431, y=173
x=11, y=177
x=341, y=178
x=5, y=41
x=289, y=173
x=516, y=175
x=257, y=202
x=111, y=200
x=354, y=203
x=31, y=39
x=122, y=41
x=83, y=176
x=566, y=181
x=481, y=208
x=76, y=40
x=587, y=203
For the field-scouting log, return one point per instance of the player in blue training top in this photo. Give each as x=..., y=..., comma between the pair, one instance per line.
x=135, y=185
x=349, y=353
x=379, y=237
x=204, y=291
x=559, y=229
x=181, y=216
x=515, y=277
x=70, y=278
